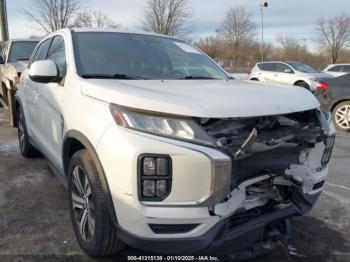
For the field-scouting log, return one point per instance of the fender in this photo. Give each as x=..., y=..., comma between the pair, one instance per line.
x=74, y=134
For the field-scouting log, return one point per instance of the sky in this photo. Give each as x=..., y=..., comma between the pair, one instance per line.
x=294, y=18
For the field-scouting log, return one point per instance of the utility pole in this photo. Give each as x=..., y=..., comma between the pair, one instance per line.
x=3, y=21
x=263, y=5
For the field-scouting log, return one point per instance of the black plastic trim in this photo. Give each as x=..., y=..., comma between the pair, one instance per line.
x=172, y=228
x=74, y=134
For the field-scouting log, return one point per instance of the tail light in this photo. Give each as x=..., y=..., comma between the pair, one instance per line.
x=322, y=86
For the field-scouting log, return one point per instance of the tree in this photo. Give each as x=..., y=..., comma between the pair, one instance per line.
x=237, y=28
x=209, y=45
x=168, y=17
x=333, y=34
x=95, y=19
x=290, y=48
x=51, y=15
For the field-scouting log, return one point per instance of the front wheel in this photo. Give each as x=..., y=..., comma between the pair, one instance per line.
x=93, y=227
x=341, y=116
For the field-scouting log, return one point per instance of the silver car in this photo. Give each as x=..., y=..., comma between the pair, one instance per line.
x=290, y=73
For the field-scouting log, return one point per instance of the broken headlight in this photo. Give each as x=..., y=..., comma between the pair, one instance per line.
x=181, y=128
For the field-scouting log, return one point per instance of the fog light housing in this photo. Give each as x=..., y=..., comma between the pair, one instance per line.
x=155, y=176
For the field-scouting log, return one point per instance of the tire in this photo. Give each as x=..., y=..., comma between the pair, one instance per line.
x=254, y=79
x=303, y=84
x=26, y=148
x=341, y=116
x=93, y=227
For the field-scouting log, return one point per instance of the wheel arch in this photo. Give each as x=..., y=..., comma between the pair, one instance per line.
x=74, y=141
x=338, y=102
x=299, y=81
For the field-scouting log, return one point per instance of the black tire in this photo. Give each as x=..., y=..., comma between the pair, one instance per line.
x=26, y=148
x=100, y=239
x=339, y=121
x=254, y=79
x=302, y=84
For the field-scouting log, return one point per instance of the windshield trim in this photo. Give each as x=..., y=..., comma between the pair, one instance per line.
x=78, y=65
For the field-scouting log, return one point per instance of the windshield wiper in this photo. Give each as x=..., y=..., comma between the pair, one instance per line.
x=196, y=78
x=115, y=76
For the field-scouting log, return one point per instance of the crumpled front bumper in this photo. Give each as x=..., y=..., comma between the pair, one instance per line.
x=224, y=236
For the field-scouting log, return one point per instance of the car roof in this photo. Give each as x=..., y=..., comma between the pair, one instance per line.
x=24, y=40
x=112, y=30
x=338, y=64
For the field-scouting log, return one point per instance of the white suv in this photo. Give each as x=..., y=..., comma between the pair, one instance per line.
x=337, y=69
x=161, y=150
x=290, y=73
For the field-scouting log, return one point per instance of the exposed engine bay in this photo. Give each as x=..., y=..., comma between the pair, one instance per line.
x=272, y=157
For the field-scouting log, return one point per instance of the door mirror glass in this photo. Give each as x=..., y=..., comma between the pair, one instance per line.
x=44, y=71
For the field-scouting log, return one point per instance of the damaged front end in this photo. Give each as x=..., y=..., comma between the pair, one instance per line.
x=276, y=161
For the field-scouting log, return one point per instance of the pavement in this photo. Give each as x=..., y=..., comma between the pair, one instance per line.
x=35, y=223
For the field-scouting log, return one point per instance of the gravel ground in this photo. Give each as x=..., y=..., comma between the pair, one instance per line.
x=35, y=223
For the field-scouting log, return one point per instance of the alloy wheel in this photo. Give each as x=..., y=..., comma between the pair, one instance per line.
x=82, y=204
x=342, y=116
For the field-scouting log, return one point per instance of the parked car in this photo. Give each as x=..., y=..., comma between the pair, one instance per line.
x=334, y=96
x=337, y=69
x=161, y=150
x=291, y=73
x=13, y=60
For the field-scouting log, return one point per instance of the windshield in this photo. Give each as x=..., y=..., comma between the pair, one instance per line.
x=302, y=67
x=133, y=56
x=21, y=51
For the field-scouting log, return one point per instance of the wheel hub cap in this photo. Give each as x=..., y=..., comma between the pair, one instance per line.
x=342, y=116
x=83, y=206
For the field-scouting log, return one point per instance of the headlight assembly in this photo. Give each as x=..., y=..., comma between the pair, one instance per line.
x=175, y=127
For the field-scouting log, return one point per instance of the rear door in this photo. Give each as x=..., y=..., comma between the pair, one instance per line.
x=268, y=71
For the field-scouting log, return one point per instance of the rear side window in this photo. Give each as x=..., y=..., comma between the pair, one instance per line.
x=57, y=53
x=42, y=50
x=335, y=69
x=346, y=68
x=268, y=66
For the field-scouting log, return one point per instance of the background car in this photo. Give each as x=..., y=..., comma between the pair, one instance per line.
x=334, y=96
x=13, y=60
x=291, y=73
x=337, y=69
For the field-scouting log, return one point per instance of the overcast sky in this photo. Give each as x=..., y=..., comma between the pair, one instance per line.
x=295, y=18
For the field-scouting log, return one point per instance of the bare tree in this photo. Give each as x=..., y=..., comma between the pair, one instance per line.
x=95, y=19
x=168, y=17
x=333, y=34
x=209, y=45
x=237, y=28
x=51, y=15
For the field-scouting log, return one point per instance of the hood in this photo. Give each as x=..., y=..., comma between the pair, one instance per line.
x=20, y=66
x=202, y=98
x=319, y=76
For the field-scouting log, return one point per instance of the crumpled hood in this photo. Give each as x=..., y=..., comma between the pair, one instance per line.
x=202, y=98
x=20, y=66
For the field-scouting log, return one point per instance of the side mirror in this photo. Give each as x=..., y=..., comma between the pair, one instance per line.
x=288, y=71
x=44, y=71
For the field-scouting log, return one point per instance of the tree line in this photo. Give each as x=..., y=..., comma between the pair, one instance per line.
x=234, y=44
